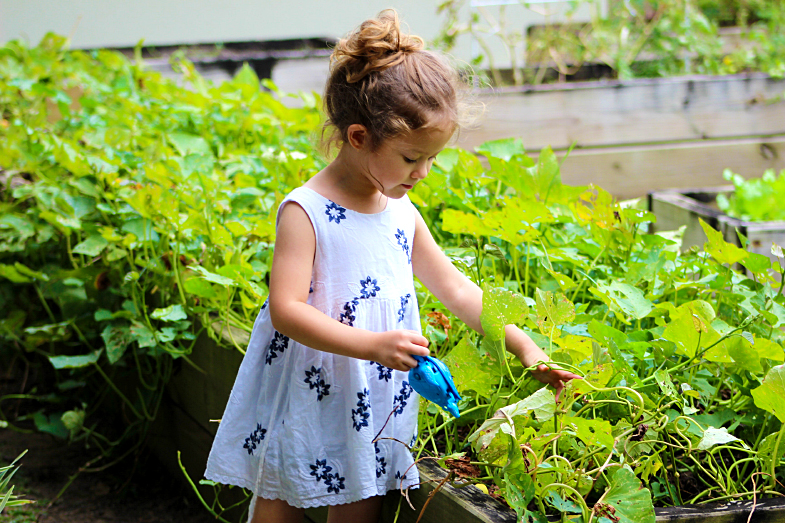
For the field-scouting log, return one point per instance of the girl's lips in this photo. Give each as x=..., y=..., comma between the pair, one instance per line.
x=407, y=186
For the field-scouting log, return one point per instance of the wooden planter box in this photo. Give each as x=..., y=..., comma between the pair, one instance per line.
x=677, y=207
x=642, y=135
x=192, y=399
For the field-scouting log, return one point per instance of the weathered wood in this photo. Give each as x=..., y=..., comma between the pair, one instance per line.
x=633, y=171
x=633, y=111
x=765, y=511
x=458, y=504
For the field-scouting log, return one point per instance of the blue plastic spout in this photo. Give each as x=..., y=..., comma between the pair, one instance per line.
x=432, y=380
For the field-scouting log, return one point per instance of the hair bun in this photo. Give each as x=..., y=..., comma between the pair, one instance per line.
x=376, y=45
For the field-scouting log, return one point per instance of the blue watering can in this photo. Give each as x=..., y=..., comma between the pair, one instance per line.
x=432, y=380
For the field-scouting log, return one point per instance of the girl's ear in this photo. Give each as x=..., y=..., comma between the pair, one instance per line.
x=357, y=136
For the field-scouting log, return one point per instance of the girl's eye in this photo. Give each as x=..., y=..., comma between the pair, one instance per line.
x=409, y=160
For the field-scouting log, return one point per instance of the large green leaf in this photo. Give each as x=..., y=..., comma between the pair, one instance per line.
x=625, y=500
x=721, y=250
x=500, y=308
x=469, y=369
x=627, y=298
x=770, y=395
x=553, y=309
x=503, y=149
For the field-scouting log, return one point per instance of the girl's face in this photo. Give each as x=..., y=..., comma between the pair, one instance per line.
x=401, y=163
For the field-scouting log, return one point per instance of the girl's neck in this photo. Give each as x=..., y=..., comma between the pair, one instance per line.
x=343, y=182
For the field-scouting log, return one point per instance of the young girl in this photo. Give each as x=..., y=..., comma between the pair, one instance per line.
x=326, y=366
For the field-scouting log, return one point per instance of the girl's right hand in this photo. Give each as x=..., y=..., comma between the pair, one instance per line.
x=396, y=349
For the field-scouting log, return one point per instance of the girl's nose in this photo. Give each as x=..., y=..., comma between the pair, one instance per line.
x=421, y=172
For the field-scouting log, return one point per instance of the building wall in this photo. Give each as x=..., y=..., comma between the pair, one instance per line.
x=123, y=23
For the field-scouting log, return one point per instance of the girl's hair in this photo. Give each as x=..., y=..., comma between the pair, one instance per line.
x=386, y=81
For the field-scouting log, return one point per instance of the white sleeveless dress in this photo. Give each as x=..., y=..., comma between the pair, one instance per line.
x=300, y=423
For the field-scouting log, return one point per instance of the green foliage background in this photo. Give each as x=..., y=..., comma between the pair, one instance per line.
x=138, y=215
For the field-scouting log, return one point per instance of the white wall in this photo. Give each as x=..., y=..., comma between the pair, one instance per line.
x=122, y=23
x=116, y=23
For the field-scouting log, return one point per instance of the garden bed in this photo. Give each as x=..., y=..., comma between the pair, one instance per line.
x=677, y=207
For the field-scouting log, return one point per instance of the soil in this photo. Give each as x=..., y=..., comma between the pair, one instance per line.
x=122, y=494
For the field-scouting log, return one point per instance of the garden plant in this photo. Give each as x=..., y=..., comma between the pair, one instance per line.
x=138, y=214
x=633, y=38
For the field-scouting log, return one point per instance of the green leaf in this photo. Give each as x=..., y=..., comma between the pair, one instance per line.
x=199, y=287
x=189, y=143
x=214, y=278
x=630, y=300
x=500, y=308
x=92, y=246
x=503, y=149
x=51, y=424
x=170, y=313
x=10, y=272
x=519, y=490
x=631, y=502
x=459, y=222
x=721, y=250
x=74, y=362
x=469, y=369
x=592, y=431
x=757, y=263
x=553, y=309
x=142, y=334
x=116, y=338
x=769, y=396
x=714, y=436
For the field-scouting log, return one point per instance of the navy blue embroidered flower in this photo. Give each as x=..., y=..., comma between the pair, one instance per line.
x=404, y=243
x=323, y=472
x=381, y=465
x=349, y=308
x=404, y=303
x=399, y=476
x=334, y=483
x=314, y=380
x=310, y=289
x=335, y=212
x=414, y=438
x=361, y=414
x=264, y=305
x=385, y=373
x=399, y=401
x=254, y=438
x=370, y=288
x=320, y=470
x=277, y=344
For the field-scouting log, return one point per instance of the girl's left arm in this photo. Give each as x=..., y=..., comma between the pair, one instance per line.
x=464, y=299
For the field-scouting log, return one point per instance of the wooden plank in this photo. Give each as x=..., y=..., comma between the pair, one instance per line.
x=633, y=111
x=633, y=171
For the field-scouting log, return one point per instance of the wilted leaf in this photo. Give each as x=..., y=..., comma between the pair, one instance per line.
x=500, y=308
x=631, y=502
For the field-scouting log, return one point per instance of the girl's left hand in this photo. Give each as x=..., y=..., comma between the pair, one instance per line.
x=552, y=375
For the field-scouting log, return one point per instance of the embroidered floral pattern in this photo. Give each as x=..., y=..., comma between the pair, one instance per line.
x=385, y=373
x=314, y=380
x=335, y=213
x=400, y=400
x=404, y=303
x=254, y=439
x=277, y=345
x=323, y=472
x=370, y=288
x=347, y=316
x=381, y=465
x=414, y=438
x=404, y=243
x=264, y=305
x=361, y=414
x=399, y=476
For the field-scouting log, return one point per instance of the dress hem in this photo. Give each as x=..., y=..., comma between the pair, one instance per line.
x=318, y=501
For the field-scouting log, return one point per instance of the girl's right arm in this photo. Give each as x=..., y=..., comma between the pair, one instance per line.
x=290, y=281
